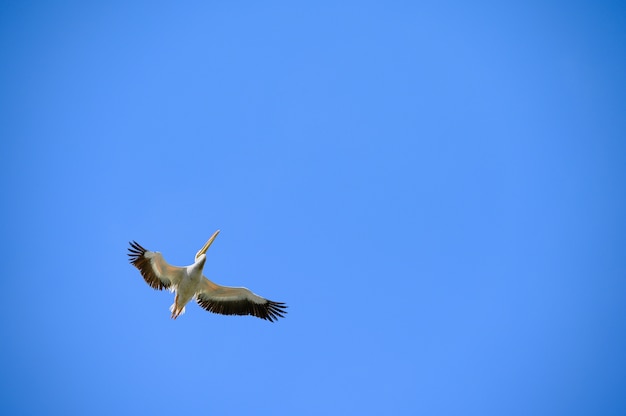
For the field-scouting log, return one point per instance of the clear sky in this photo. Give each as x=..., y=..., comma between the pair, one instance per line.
x=436, y=189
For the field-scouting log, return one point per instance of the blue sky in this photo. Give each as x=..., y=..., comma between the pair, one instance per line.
x=436, y=189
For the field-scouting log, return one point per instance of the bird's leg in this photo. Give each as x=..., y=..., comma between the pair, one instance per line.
x=175, y=311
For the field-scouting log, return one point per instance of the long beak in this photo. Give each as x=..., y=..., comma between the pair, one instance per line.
x=206, y=246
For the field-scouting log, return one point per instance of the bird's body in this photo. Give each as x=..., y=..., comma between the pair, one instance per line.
x=188, y=286
x=189, y=283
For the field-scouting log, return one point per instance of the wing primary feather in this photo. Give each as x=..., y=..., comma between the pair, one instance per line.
x=137, y=257
x=268, y=310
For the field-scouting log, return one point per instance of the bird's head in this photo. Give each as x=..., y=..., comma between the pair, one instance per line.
x=206, y=246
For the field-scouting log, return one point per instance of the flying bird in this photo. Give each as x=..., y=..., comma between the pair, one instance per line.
x=189, y=283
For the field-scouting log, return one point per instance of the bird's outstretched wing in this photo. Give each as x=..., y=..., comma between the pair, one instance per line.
x=154, y=269
x=237, y=301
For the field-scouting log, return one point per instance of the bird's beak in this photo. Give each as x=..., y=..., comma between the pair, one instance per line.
x=206, y=246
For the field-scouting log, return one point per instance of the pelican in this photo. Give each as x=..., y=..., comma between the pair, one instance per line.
x=189, y=283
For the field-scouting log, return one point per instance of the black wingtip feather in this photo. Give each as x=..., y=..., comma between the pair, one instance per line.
x=269, y=311
x=136, y=254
